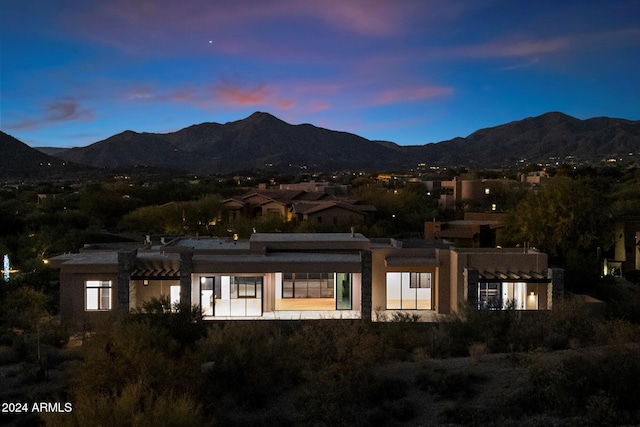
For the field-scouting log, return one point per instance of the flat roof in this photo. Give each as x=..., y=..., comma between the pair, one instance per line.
x=496, y=250
x=293, y=257
x=308, y=237
x=209, y=243
x=82, y=258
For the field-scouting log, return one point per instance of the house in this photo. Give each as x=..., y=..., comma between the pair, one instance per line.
x=625, y=257
x=476, y=230
x=332, y=212
x=301, y=276
x=479, y=194
x=297, y=205
x=312, y=186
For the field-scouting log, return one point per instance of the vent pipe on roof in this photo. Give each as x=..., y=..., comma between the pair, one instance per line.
x=353, y=232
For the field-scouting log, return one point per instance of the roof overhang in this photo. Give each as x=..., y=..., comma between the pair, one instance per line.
x=413, y=261
x=511, y=276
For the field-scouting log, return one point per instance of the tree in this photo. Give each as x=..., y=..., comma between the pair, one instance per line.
x=569, y=220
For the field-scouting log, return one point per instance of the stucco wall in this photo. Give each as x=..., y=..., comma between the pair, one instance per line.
x=72, y=300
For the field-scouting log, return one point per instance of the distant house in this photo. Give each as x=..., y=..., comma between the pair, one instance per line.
x=301, y=276
x=333, y=212
x=626, y=253
x=297, y=205
x=330, y=188
x=477, y=230
x=485, y=194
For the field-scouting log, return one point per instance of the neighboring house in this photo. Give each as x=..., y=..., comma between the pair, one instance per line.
x=477, y=230
x=312, y=186
x=297, y=205
x=301, y=276
x=486, y=194
x=626, y=252
x=332, y=212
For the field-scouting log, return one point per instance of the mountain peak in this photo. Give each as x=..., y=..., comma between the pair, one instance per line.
x=260, y=117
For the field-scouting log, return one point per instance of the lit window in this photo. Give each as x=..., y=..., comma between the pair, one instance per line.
x=98, y=295
x=307, y=285
x=487, y=191
x=408, y=291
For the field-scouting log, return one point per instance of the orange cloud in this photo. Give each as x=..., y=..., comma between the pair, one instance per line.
x=228, y=93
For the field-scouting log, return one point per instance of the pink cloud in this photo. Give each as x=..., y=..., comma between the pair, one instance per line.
x=62, y=110
x=182, y=95
x=509, y=48
x=393, y=96
x=231, y=94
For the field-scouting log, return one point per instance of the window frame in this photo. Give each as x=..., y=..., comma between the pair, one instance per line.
x=414, y=285
x=100, y=286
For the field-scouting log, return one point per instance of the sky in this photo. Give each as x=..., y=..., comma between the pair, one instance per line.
x=74, y=72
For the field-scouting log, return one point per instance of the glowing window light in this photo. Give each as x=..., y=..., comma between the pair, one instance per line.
x=6, y=267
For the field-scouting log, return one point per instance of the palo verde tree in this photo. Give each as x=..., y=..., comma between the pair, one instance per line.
x=568, y=219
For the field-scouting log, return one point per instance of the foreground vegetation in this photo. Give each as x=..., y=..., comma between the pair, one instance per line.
x=569, y=366
x=575, y=366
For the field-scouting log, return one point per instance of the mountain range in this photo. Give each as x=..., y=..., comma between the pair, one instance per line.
x=19, y=161
x=262, y=141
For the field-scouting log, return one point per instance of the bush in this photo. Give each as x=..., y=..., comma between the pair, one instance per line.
x=135, y=405
x=449, y=385
x=601, y=384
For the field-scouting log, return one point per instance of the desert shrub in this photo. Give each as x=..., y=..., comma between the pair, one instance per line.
x=401, y=339
x=355, y=397
x=336, y=345
x=183, y=324
x=616, y=331
x=449, y=385
x=53, y=333
x=469, y=325
x=126, y=351
x=405, y=317
x=249, y=363
x=577, y=384
x=569, y=324
x=135, y=405
x=461, y=413
x=23, y=307
x=8, y=355
x=622, y=300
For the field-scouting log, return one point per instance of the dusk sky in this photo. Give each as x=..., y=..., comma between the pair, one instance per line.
x=409, y=71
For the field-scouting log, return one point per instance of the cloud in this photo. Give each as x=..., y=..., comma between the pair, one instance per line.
x=232, y=94
x=393, y=96
x=62, y=110
x=521, y=65
x=535, y=47
x=511, y=48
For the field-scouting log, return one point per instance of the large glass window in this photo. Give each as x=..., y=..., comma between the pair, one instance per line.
x=408, y=291
x=509, y=295
x=307, y=285
x=231, y=296
x=344, y=287
x=98, y=295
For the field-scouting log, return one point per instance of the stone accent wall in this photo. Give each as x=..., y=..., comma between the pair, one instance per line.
x=125, y=265
x=365, y=259
x=471, y=279
x=556, y=290
x=186, y=268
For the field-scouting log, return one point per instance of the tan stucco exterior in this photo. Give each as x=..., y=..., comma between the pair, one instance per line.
x=266, y=257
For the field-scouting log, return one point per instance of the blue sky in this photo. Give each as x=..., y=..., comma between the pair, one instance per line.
x=409, y=71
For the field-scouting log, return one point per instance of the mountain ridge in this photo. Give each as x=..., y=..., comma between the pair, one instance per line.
x=263, y=141
x=18, y=160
